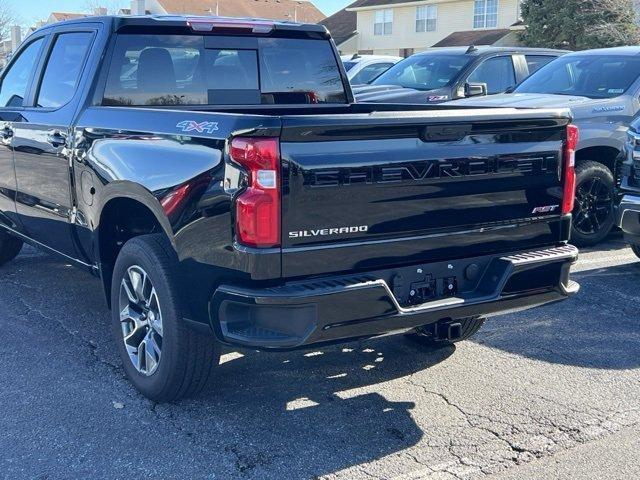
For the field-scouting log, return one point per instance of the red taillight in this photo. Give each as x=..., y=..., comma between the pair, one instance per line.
x=258, y=207
x=569, y=191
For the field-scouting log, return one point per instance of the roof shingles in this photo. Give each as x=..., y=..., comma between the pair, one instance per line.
x=302, y=11
x=343, y=24
x=473, y=37
x=380, y=3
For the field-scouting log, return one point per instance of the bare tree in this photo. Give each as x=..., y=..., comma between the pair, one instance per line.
x=7, y=19
x=111, y=6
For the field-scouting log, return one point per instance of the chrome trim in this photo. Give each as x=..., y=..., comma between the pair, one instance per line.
x=488, y=228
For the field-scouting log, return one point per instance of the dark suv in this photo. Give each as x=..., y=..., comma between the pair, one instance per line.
x=444, y=74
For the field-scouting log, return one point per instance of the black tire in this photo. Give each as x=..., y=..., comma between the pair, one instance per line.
x=187, y=357
x=434, y=335
x=594, y=212
x=636, y=250
x=10, y=247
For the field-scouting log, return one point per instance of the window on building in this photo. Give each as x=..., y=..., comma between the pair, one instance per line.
x=485, y=14
x=426, y=18
x=383, y=22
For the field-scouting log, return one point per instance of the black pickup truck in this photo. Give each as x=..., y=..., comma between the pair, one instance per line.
x=218, y=177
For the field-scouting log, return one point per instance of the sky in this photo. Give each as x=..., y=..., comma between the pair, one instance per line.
x=31, y=10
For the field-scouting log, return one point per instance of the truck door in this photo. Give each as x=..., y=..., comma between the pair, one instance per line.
x=14, y=85
x=44, y=199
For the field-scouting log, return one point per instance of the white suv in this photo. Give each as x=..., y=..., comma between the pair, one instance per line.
x=362, y=69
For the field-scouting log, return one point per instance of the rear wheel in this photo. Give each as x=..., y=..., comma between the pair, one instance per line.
x=10, y=247
x=162, y=357
x=448, y=332
x=594, y=214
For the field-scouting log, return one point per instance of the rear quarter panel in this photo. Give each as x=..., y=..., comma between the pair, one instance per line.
x=173, y=163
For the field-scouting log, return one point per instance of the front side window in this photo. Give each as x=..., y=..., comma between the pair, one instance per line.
x=591, y=76
x=164, y=70
x=426, y=18
x=16, y=80
x=383, y=22
x=497, y=73
x=424, y=72
x=61, y=77
x=485, y=14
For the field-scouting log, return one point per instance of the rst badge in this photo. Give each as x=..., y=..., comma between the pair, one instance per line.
x=193, y=126
x=546, y=209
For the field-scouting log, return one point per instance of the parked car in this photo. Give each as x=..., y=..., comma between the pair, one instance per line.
x=442, y=74
x=245, y=199
x=602, y=89
x=363, y=69
x=629, y=211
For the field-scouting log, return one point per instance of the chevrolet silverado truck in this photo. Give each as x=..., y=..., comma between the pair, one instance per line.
x=602, y=89
x=218, y=177
x=629, y=210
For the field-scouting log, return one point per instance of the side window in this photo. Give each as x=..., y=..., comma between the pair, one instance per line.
x=536, y=62
x=62, y=74
x=16, y=80
x=370, y=73
x=497, y=73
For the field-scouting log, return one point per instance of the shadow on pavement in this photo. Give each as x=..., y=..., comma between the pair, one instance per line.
x=313, y=405
x=598, y=328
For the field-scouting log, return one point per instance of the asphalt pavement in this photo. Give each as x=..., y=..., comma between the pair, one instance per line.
x=546, y=393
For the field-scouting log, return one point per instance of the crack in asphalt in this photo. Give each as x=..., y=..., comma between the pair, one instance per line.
x=522, y=453
x=474, y=442
x=90, y=345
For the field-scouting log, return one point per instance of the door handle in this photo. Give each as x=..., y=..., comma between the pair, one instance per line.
x=57, y=139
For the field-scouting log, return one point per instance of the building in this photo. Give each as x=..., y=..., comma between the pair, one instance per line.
x=64, y=16
x=404, y=27
x=10, y=45
x=293, y=10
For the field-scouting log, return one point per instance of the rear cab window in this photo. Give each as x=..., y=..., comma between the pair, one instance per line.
x=165, y=70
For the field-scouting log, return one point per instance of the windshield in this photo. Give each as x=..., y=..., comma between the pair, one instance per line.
x=586, y=76
x=424, y=72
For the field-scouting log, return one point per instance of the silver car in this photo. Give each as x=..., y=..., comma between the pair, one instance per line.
x=602, y=89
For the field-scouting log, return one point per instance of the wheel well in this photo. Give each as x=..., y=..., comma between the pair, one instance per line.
x=604, y=155
x=121, y=220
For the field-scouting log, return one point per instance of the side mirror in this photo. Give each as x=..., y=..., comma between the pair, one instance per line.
x=475, y=89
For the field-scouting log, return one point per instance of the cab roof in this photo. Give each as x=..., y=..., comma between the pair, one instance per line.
x=618, y=51
x=485, y=50
x=120, y=22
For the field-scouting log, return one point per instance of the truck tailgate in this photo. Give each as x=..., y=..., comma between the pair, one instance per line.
x=369, y=190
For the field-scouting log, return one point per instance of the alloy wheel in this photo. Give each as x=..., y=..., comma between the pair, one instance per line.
x=141, y=320
x=593, y=206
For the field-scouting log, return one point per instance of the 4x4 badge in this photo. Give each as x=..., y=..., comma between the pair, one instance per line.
x=193, y=126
